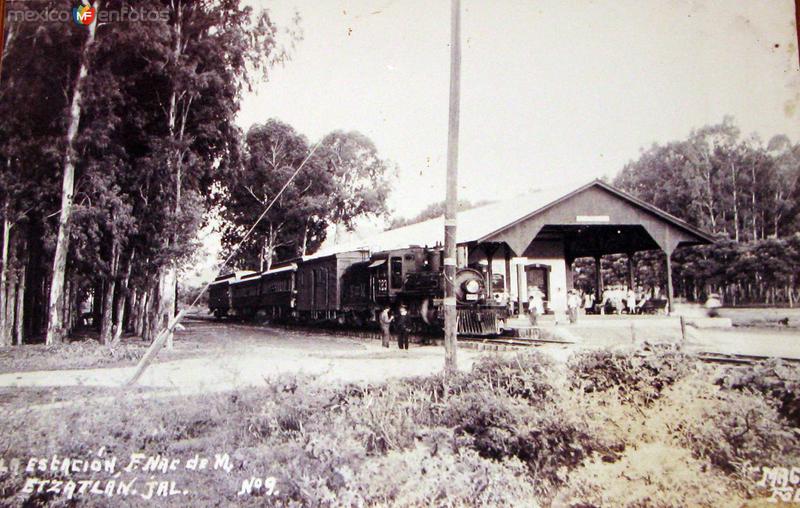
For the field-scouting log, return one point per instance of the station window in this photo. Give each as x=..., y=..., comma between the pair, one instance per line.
x=397, y=273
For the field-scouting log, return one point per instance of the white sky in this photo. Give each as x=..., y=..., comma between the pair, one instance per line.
x=552, y=90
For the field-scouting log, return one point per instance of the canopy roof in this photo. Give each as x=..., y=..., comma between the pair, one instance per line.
x=510, y=221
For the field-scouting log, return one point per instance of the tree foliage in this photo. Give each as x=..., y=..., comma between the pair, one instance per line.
x=744, y=191
x=343, y=179
x=157, y=129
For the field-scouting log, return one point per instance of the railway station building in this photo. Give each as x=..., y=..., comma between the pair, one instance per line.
x=532, y=240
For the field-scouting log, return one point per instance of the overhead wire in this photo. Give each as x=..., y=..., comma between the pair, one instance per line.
x=173, y=323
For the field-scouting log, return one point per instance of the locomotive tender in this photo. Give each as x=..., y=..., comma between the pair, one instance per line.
x=351, y=288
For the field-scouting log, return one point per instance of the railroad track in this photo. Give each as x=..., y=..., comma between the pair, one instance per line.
x=710, y=357
x=531, y=340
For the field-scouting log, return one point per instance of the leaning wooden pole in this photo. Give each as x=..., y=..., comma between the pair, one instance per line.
x=164, y=334
x=451, y=203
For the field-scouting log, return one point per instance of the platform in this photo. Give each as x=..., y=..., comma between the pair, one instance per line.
x=612, y=329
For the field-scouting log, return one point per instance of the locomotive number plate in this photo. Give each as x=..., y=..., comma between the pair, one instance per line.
x=472, y=297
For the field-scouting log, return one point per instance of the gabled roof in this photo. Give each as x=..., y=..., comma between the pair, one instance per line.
x=661, y=214
x=477, y=224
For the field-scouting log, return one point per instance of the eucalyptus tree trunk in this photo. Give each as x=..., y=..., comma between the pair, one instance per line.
x=165, y=301
x=304, y=247
x=55, y=324
x=106, y=333
x=132, y=314
x=149, y=312
x=735, y=204
x=11, y=298
x=4, y=340
x=141, y=312
x=122, y=300
x=19, y=313
x=754, y=211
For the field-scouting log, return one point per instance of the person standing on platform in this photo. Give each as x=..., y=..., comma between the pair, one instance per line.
x=631, y=301
x=402, y=324
x=386, y=319
x=573, y=302
x=535, y=306
x=588, y=303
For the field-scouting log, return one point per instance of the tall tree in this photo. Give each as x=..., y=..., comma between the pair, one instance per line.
x=297, y=221
x=55, y=325
x=38, y=61
x=344, y=179
x=361, y=179
x=208, y=52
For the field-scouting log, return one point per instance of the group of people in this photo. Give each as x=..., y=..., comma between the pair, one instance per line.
x=621, y=301
x=402, y=325
x=614, y=300
x=536, y=305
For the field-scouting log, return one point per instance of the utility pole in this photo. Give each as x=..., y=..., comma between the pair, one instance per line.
x=451, y=200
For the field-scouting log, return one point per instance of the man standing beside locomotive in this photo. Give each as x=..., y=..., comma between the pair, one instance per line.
x=386, y=321
x=402, y=324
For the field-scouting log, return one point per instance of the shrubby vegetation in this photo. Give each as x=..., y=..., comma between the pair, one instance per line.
x=512, y=432
x=777, y=380
x=636, y=377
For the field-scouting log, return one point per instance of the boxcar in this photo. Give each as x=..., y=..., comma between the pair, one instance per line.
x=319, y=285
x=245, y=294
x=219, y=293
x=277, y=292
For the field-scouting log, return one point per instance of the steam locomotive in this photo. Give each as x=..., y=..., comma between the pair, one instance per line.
x=351, y=288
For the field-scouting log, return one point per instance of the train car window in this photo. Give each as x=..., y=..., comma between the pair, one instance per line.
x=397, y=273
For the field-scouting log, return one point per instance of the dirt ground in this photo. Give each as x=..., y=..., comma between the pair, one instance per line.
x=211, y=356
x=217, y=356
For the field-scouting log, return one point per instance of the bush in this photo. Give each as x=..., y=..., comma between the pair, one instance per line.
x=638, y=376
x=736, y=430
x=524, y=376
x=775, y=379
x=420, y=477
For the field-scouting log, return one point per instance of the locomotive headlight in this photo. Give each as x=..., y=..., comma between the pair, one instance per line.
x=472, y=286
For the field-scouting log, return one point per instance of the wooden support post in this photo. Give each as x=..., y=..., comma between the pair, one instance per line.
x=490, y=250
x=683, y=330
x=631, y=272
x=451, y=200
x=508, y=277
x=598, y=278
x=521, y=283
x=670, y=308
